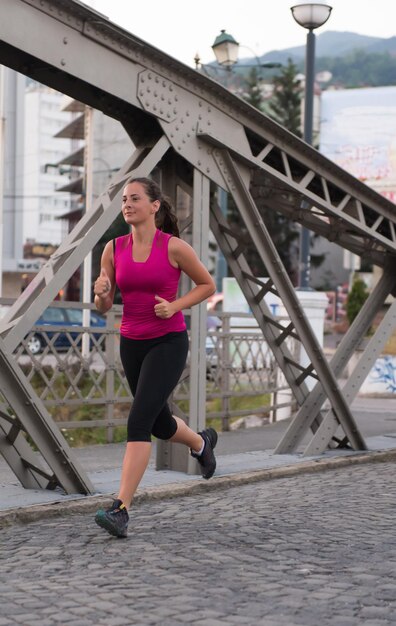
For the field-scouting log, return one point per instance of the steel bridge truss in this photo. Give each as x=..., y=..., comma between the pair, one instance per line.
x=197, y=134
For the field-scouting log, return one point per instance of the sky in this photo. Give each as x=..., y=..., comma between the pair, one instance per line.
x=182, y=28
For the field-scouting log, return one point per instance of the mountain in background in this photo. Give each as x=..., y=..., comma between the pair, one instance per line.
x=332, y=44
x=354, y=60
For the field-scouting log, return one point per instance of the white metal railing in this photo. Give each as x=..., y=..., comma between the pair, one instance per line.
x=242, y=375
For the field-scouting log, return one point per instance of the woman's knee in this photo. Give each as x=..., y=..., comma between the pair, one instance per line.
x=165, y=430
x=137, y=433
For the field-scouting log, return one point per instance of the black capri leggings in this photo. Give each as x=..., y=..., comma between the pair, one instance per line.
x=153, y=368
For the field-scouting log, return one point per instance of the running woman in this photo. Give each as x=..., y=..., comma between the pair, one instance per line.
x=146, y=266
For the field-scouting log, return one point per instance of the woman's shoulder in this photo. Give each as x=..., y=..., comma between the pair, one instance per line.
x=178, y=245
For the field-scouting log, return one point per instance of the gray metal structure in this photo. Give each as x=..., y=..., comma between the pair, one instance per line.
x=197, y=133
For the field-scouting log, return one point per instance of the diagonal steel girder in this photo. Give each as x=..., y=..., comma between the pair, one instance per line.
x=270, y=257
x=29, y=414
x=254, y=291
x=309, y=411
x=72, y=251
x=31, y=417
x=377, y=342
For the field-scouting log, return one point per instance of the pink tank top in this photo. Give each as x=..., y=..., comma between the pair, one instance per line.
x=140, y=282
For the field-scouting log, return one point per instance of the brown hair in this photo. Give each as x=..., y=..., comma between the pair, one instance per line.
x=165, y=218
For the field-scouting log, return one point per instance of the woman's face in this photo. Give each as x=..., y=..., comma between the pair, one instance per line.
x=137, y=207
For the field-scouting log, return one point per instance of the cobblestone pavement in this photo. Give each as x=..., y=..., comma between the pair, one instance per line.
x=314, y=549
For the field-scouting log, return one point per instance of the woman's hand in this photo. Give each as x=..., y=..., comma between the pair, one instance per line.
x=102, y=284
x=163, y=309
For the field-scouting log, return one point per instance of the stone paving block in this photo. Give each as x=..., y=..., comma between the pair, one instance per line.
x=327, y=564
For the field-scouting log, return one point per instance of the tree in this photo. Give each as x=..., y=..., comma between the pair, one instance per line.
x=285, y=104
x=283, y=232
x=253, y=93
x=356, y=298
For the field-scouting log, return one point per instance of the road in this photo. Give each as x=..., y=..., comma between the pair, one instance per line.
x=307, y=550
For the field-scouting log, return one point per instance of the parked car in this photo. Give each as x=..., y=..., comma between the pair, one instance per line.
x=54, y=316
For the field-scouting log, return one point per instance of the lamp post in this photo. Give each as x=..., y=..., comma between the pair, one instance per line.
x=226, y=50
x=310, y=16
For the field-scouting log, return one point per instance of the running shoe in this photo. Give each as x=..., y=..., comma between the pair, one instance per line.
x=114, y=520
x=207, y=459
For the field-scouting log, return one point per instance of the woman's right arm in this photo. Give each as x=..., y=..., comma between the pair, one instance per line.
x=104, y=286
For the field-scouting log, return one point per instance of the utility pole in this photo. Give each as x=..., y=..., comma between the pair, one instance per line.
x=2, y=148
x=88, y=189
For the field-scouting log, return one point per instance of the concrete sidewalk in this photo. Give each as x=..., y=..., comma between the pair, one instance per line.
x=243, y=456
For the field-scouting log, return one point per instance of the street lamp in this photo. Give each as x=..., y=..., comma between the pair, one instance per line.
x=226, y=51
x=308, y=16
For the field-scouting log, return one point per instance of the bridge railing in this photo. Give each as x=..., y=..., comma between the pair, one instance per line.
x=87, y=388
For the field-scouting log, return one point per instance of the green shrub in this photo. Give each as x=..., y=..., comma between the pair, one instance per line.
x=356, y=298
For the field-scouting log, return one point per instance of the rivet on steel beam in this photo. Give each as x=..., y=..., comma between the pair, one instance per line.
x=199, y=103
x=149, y=76
x=65, y=40
x=170, y=87
x=141, y=92
x=142, y=80
x=208, y=169
x=187, y=113
x=63, y=62
x=199, y=163
x=176, y=99
x=156, y=79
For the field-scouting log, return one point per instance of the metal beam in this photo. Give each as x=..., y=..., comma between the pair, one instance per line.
x=330, y=424
x=30, y=415
x=286, y=292
x=311, y=408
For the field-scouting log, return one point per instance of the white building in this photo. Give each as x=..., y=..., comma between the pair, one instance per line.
x=357, y=132
x=31, y=115
x=42, y=151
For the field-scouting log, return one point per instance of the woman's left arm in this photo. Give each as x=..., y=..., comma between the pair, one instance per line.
x=185, y=257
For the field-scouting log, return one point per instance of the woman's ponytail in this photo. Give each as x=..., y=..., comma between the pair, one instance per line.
x=165, y=218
